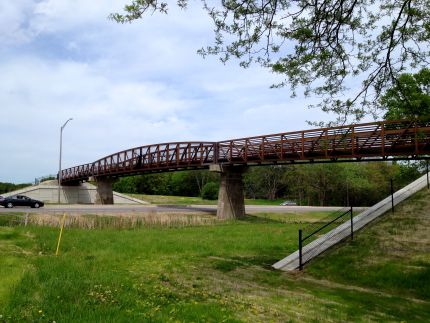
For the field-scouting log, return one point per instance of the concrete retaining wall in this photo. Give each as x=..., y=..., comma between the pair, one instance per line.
x=81, y=194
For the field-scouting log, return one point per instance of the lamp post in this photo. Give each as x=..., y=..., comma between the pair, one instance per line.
x=61, y=148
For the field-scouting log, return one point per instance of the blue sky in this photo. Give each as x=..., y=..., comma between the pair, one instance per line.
x=124, y=86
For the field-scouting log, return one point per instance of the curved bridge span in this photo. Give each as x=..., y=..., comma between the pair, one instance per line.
x=378, y=140
x=368, y=141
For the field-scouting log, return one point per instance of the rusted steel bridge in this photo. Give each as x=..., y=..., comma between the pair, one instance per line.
x=368, y=141
x=385, y=140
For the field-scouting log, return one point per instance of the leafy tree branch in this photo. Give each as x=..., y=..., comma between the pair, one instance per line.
x=319, y=47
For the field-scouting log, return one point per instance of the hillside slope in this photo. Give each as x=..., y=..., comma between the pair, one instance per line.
x=391, y=255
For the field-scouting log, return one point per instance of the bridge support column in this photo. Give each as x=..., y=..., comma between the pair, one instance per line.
x=231, y=202
x=104, y=190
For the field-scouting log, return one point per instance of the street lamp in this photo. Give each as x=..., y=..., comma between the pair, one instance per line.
x=61, y=148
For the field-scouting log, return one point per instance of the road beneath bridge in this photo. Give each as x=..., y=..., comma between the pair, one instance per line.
x=180, y=209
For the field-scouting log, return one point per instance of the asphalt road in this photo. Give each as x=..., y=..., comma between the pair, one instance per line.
x=122, y=208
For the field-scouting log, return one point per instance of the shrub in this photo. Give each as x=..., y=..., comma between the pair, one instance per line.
x=210, y=191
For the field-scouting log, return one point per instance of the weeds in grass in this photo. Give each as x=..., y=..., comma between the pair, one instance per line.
x=121, y=221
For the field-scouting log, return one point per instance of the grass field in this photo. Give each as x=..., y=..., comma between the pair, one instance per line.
x=216, y=272
x=186, y=200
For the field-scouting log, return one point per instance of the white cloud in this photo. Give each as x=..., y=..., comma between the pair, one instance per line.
x=13, y=19
x=37, y=97
x=124, y=85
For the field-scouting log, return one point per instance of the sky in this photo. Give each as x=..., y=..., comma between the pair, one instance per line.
x=124, y=85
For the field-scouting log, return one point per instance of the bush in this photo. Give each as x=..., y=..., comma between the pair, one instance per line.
x=210, y=191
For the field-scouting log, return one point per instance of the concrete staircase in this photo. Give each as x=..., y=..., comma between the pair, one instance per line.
x=343, y=231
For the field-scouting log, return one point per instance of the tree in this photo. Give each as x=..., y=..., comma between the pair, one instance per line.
x=9, y=187
x=409, y=97
x=210, y=191
x=146, y=184
x=203, y=177
x=319, y=46
x=264, y=182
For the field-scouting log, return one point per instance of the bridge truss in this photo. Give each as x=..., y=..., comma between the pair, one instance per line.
x=368, y=141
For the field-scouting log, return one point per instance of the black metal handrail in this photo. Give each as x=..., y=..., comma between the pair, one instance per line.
x=301, y=239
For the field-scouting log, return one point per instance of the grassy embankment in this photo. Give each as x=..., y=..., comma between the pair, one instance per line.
x=216, y=272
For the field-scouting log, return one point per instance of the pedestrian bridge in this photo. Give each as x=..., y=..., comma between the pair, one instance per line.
x=384, y=140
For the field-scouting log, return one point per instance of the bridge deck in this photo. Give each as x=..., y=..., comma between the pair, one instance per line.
x=378, y=140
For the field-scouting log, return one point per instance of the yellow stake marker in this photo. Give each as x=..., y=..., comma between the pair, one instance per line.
x=61, y=233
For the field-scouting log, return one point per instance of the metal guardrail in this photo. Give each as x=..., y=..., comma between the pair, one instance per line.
x=41, y=179
x=377, y=140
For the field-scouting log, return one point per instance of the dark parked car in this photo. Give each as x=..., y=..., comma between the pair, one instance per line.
x=20, y=200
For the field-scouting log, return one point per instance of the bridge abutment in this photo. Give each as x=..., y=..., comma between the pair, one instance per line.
x=231, y=202
x=104, y=190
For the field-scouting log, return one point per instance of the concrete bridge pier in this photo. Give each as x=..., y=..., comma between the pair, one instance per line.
x=231, y=202
x=104, y=190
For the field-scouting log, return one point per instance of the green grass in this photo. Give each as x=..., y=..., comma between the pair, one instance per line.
x=211, y=273
x=187, y=200
x=304, y=217
x=263, y=201
x=176, y=200
x=13, y=260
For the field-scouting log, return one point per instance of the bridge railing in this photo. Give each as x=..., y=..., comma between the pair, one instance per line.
x=382, y=139
x=146, y=158
x=376, y=139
